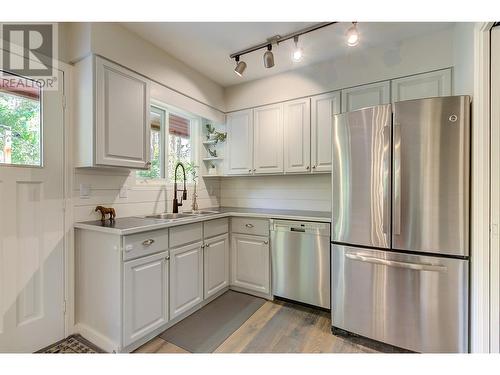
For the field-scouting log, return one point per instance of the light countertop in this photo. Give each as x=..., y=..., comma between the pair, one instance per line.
x=137, y=224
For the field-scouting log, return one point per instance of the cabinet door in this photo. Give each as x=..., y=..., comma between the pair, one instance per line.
x=366, y=96
x=268, y=139
x=122, y=117
x=186, y=278
x=297, y=130
x=323, y=107
x=216, y=264
x=145, y=296
x=250, y=262
x=239, y=145
x=419, y=86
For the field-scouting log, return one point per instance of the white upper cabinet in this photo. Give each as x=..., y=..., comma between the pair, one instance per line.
x=268, y=139
x=145, y=296
x=323, y=108
x=366, y=96
x=239, y=148
x=297, y=130
x=112, y=115
x=424, y=85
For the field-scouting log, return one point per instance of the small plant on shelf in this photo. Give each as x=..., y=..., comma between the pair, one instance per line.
x=213, y=134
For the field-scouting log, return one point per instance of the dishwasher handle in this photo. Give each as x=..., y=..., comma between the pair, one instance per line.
x=294, y=229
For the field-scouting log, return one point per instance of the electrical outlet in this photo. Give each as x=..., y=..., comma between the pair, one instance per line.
x=84, y=191
x=124, y=191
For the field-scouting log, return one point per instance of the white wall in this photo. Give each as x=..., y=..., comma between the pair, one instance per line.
x=463, y=58
x=411, y=56
x=294, y=192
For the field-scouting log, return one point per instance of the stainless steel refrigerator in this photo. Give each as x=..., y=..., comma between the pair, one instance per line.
x=400, y=223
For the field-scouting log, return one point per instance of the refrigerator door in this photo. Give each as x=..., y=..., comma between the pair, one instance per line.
x=361, y=177
x=431, y=175
x=413, y=302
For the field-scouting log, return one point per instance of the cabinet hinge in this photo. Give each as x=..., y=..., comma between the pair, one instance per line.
x=64, y=101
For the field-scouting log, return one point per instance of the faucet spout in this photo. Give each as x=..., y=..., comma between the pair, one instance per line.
x=176, y=203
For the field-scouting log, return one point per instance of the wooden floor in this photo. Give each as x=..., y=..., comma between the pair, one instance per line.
x=277, y=327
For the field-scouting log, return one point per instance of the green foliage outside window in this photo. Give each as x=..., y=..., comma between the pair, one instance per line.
x=20, y=118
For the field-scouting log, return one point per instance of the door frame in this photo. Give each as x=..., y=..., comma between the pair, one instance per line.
x=480, y=327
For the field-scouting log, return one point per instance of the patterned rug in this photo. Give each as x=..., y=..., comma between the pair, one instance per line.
x=71, y=345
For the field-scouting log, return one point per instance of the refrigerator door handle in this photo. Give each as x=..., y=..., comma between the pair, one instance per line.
x=386, y=180
x=397, y=180
x=394, y=263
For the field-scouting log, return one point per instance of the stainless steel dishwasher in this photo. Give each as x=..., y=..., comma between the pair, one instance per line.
x=301, y=261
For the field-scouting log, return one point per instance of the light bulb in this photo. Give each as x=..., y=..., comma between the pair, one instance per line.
x=352, y=35
x=297, y=53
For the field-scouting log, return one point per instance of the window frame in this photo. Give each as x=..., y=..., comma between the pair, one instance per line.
x=194, y=133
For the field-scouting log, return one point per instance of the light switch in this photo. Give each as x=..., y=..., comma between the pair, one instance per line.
x=124, y=191
x=84, y=191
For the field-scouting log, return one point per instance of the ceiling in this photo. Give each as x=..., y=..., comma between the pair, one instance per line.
x=206, y=46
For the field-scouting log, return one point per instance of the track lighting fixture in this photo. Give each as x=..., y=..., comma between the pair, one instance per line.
x=352, y=35
x=297, y=53
x=352, y=39
x=240, y=66
x=269, y=57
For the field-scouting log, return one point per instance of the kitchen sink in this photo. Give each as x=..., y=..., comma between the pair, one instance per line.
x=169, y=216
x=200, y=212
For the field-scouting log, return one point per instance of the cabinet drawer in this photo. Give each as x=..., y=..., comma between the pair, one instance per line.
x=185, y=234
x=245, y=225
x=141, y=244
x=215, y=227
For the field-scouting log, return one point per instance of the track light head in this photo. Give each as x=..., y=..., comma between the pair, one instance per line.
x=297, y=53
x=269, y=57
x=352, y=35
x=240, y=66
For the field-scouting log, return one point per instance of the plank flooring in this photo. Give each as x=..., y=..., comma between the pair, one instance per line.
x=277, y=327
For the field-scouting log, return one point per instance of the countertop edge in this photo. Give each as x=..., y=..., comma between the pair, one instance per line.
x=163, y=225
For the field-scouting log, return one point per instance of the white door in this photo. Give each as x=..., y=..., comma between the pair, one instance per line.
x=250, y=262
x=297, y=130
x=323, y=107
x=122, y=117
x=186, y=278
x=32, y=224
x=420, y=86
x=366, y=96
x=145, y=296
x=216, y=264
x=239, y=147
x=268, y=139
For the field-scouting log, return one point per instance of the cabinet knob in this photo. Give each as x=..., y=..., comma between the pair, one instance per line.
x=307, y=167
x=250, y=170
x=266, y=242
x=314, y=167
x=249, y=225
x=148, y=242
x=167, y=257
x=148, y=163
x=254, y=169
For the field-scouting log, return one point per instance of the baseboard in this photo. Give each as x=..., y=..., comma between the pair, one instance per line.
x=96, y=338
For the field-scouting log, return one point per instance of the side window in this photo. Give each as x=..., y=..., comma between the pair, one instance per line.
x=157, y=169
x=20, y=121
x=172, y=140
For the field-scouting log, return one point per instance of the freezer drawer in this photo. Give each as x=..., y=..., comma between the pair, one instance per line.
x=414, y=302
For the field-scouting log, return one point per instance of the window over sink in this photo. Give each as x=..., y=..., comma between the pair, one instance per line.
x=173, y=139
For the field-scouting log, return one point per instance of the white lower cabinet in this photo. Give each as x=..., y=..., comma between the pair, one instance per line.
x=216, y=264
x=145, y=296
x=250, y=262
x=186, y=278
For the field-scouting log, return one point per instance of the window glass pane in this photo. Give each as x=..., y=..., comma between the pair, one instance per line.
x=179, y=142
x=157, y=120
x=20, y=121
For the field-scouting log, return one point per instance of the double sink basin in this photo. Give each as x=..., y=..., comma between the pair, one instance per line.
x=184, y=215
